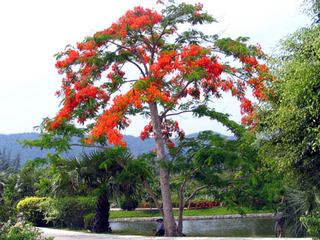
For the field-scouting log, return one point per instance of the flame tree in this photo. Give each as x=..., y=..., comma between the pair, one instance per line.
x=179, y=71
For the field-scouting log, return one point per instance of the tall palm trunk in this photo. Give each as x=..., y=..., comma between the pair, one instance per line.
x=101, y=219
x=169, y=222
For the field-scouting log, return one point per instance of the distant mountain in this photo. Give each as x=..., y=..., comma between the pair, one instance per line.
x=9, y=142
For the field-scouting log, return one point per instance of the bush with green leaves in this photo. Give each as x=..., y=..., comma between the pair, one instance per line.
x=30, y=207
x=129, y=204
x=6, y=211
x=69, y=211
x=88, y=220
x=312, y=223
x=17, y=228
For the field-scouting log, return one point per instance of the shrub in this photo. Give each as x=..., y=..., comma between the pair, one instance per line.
x=203, y=205
x=88, y=220
x=17, y=228
x=129, y=204
x=6, y=211
x=29, y=206
x=312, y=223
x=69, y=211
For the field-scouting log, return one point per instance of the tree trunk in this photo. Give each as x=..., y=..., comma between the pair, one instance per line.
x=101, y=219
x=169, y=222
x=180, y=215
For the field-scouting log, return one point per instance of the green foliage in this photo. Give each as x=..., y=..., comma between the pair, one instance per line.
x=68, y=212
x=9, y=193
x=204, y=111
x=312, y=223
x=25, y=180
x=183, y=13
x=88, y=220
x=114, y=172
x=231, y=169
x=312, y=8
x=17, y=229
x=299, y=204
x=128, y=203
x=30, y=207
x=28, y=182
x=290, y=121
x=6, y=210
x=252, y=183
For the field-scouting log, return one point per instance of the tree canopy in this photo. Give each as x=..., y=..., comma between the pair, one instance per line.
x=172, y=66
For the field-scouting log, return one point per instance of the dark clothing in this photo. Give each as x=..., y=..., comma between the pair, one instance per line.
x=160, y=231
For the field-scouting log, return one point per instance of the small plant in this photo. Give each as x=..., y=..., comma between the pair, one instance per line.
x=18, y=228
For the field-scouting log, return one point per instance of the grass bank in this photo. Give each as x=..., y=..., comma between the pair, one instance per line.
x=199, y=212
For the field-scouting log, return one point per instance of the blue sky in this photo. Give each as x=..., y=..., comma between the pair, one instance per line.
x=33, y=31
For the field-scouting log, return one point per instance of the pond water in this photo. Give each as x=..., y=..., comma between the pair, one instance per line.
x=241, y=227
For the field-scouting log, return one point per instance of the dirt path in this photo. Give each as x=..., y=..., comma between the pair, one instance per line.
x=69, y=235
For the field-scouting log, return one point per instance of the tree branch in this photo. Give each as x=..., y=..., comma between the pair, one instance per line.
x=89, y=146
x=163, y=115
x=178, y=113
x=154, y=198
x=183, y=186
x=179, y=149
x=194, y=193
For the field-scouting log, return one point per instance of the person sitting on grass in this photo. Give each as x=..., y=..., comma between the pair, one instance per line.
x=160, y=231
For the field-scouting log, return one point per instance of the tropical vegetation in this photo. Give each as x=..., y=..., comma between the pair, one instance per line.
x=272, y=163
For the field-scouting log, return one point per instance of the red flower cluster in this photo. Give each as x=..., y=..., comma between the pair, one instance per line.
x=108, y=124
x=198, y=9
x=72, y=57
x=146, y=132
x=168, y=128
x=203, y=205
x=167, y=76
x=136, y=19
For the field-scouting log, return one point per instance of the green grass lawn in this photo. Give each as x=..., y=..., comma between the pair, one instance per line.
x=200, y=212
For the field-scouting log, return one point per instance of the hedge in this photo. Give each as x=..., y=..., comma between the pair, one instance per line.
x=30, y=207
x=68, y=212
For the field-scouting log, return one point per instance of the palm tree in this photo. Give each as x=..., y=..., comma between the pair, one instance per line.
x=106, y=173
x=25, y=182
x=300, y=203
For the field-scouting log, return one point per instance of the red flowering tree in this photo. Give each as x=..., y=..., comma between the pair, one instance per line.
x=178, y=72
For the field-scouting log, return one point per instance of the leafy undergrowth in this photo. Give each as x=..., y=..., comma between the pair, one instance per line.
x=199, y=212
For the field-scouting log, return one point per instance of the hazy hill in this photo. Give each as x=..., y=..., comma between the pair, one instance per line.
x=10, y=144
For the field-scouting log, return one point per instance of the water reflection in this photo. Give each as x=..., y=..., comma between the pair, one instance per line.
x=243, y=227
